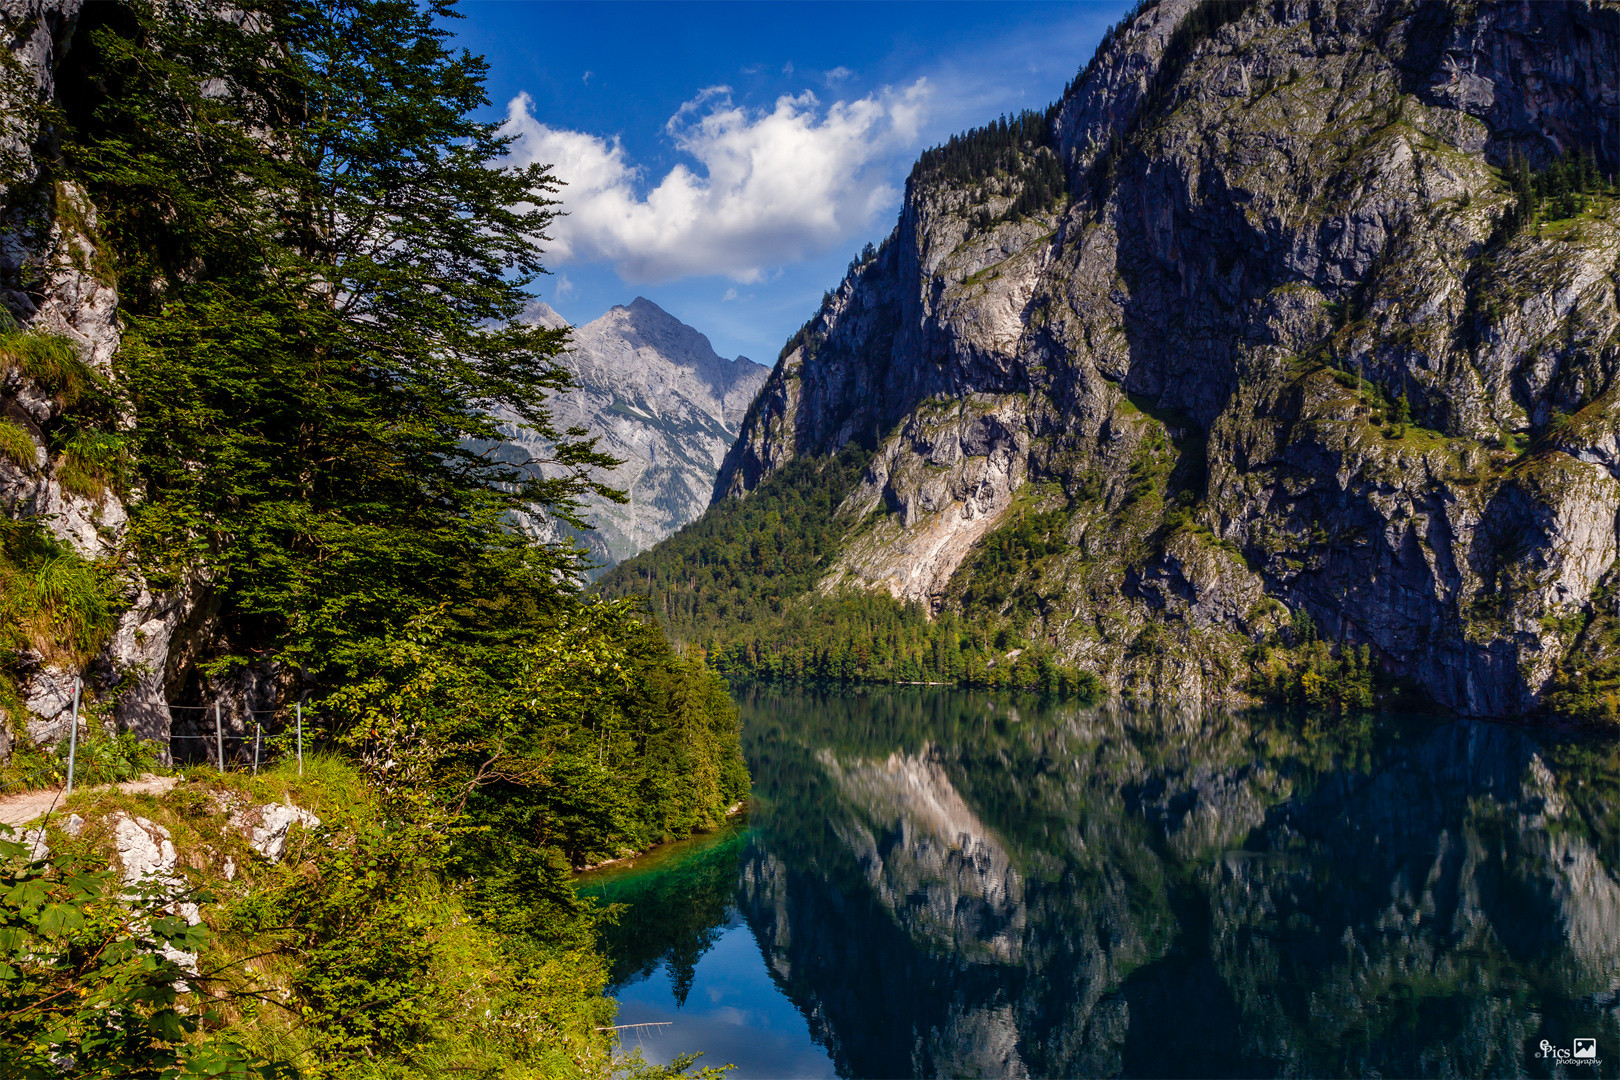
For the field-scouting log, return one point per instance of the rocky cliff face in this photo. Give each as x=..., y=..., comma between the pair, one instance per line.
x=55, y=289
x=49, y=283
x=1298, y=341
x=658, y=398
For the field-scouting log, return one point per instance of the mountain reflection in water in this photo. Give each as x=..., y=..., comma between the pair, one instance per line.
x=955, y=884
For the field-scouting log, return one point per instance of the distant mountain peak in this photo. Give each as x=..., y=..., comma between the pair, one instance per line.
x=658, y=397
x=540, y=313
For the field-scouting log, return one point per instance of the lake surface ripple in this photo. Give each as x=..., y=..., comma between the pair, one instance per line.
x=934, y=882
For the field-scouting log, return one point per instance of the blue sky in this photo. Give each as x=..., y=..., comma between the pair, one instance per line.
x=726, y=160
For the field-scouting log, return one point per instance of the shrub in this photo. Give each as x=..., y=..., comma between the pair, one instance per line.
x=17, y=446
x=86, y=977
x=92, y=462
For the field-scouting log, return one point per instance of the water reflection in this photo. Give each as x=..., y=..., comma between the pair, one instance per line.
x=673, y=906
x=949, y=884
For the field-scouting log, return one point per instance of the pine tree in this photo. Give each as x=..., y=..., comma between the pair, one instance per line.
x=320, y=260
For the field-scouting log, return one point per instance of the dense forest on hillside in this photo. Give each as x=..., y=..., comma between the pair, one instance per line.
x=740, y=583
x=318, y=257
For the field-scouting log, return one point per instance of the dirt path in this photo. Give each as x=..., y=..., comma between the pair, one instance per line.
x=22, y=808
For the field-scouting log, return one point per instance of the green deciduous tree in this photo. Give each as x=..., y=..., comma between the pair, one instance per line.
x=88, y=984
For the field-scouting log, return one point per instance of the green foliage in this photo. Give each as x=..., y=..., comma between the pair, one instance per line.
x=592, y=739
x=51, y=362
x=873, y=638
x=92, y=462
x=354, y=956
x=1590, y=695
x=1586, y=687
x=867, y=254
x=92, y=459
x=1560, y=189
x=52, y=600
x=742, y=561
x=17, y=446
x=105, y=757
x=314, y=382
x=1312, y=673
x=363, y=939
x=83, y=976
x=1403, y=411
x=999, y=146
x=1005, y=571
x=1023, y=146
x=102, y=757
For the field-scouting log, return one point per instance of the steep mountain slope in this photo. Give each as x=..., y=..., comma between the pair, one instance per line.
x=1317, y=337
x=653, y=392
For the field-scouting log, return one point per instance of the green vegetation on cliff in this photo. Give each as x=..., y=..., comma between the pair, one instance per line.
x=741, y=582
x=319, y=265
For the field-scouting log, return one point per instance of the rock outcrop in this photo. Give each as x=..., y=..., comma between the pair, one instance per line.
x=57, y=292
x=1299, y=338
x=656, y=396
x=52, y=279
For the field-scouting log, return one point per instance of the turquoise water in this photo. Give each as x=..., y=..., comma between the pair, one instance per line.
x=933, y=882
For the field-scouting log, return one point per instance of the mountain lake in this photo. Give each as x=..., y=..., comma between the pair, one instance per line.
x=936, y=882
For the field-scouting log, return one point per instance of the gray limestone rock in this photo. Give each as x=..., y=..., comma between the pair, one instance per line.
x=53, y=282
x=1277, y=231
x=656, y=396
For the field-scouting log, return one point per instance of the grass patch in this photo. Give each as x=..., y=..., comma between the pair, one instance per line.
x=52, y=600
x=17, y=446
x=92, y=463
x=51, y=361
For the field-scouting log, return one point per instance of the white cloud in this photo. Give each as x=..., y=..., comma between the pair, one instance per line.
x=731, y=294
x=838, y=74
x=565, y=288
x=769, y=186
x=587, y=77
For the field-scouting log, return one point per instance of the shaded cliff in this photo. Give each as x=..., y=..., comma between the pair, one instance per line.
x=1319, y=331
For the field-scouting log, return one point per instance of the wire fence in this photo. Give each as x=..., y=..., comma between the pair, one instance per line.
x=247, y=751
x=42, y=777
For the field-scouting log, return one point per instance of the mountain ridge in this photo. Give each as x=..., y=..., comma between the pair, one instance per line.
x=1310, y=355
x=655, y=394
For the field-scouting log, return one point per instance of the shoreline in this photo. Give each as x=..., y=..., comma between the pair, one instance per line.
x=736, y=810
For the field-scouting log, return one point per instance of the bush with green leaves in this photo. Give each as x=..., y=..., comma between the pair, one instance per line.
x=88, y=985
